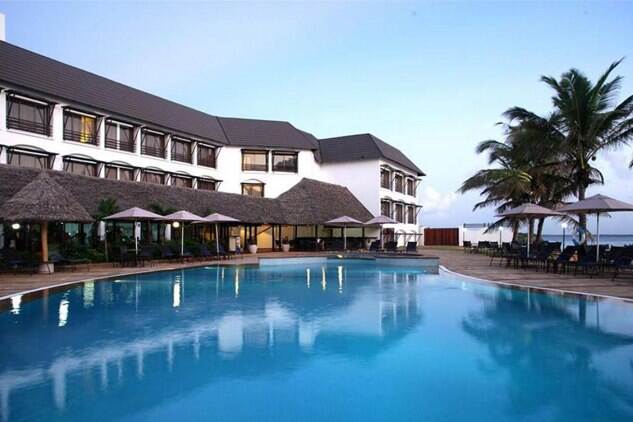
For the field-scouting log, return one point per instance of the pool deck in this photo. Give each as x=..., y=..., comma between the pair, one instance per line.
x=478, y=266
x=451, y=258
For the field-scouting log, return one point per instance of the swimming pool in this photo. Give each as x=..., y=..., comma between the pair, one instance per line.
x=312, y=341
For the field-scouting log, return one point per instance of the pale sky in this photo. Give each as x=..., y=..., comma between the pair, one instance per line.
x=431, y=78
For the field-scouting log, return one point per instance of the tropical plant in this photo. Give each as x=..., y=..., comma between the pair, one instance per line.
x=107, y=206
x=160, y=209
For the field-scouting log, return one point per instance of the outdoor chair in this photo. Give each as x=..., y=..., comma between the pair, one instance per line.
x=167, y=254
x=623, y=265
x=375, y=246
x=467, y=245
x=63, y=262
x=542, y=255
x=412, y=247
x=204, y=252
x=391, y=246
x=560, y=263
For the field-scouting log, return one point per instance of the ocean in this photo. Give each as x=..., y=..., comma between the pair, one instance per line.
x=605, y=239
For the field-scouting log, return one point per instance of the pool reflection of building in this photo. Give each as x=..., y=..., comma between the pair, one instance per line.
x=241, y=323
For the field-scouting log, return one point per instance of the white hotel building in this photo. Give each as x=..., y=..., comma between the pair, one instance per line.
x=56, y=116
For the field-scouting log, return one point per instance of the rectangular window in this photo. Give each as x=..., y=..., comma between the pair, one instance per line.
x=285, y=162
x=399, y=213
x=206, y=156
x=254, y=160
x=80, y=127
x=253, y=189
x=398, y=183
x=153, y=144
x=385, y=179
x=206, y=184
x=119, y=173
x=181, y=150
x=410, y=187
x=82, y=168
x=153, y=177
x=21, y=159
x=29, y=116
x=385, y=208
x=411, y=215
x=180, y=181
x=119, y=136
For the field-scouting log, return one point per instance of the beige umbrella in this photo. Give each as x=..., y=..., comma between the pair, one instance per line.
x=43, y=201
x=380, y=220
x=134, y=214
x=216, y=218
x=344, y=222
x=597, y=204
x=529, y=211
x=183, y=217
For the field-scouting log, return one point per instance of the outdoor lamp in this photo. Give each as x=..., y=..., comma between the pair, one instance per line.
x=175, y=224
x=15, y=226
x=564, y=225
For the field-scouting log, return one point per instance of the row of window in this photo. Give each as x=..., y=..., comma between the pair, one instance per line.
x=397, y=182
x=282, y=161
x=401, y=213
x=35, y=116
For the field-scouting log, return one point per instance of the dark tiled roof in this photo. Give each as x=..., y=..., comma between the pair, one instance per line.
x=363, y=147
x=265, y=134
x=41, y=74
x=308, y=202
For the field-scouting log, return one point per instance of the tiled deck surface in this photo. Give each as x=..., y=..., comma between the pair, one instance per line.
x=475, y=265
x=453, y=259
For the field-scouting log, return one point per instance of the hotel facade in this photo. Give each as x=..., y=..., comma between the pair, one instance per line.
x=58, y=117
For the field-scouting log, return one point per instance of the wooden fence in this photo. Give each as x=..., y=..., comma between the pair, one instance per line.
x=441, y=237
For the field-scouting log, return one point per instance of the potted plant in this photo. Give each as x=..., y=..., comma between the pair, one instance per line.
x=285, y=244
x=252, y=246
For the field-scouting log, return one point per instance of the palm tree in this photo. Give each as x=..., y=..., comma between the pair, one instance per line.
x=587, y=121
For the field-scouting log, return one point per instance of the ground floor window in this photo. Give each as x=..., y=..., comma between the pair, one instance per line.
x=253, y=189
x=181, y=181
x=82, y=168
x=22, y=159
x=153, y=177
x=206, y=184
x=119, y=173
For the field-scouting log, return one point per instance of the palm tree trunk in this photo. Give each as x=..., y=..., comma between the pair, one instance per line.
x=539, y=230
x=582, y=218
x=515, y=230
x=531, y=230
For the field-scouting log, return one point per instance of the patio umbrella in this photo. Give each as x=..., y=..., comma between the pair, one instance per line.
x=597, y=204
x=134, y=214
x=380, y=220
x=183, y=217
x=344, y=221
x=43, y=201
x=529, y=211
x=216, y=218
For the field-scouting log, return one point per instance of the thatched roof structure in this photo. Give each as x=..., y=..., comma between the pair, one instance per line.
x=42, y=200
x=308, y=202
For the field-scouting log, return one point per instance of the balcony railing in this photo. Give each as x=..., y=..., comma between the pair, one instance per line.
x=207, y=162
x=183, y=158
x=153, y=151
x=29, y=126
x=120, y=145
x=81, y=137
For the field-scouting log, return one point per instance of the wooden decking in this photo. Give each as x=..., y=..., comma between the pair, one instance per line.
x=478, y=266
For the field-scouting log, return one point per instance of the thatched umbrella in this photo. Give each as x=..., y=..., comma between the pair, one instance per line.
x=42, y=201
x=344, y=222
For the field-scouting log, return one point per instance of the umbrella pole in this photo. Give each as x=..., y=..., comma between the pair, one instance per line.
x=182, y=239
x=597, y=238
x=529, y=235
x=135, y=238
x=217, y=242
x=344, y=239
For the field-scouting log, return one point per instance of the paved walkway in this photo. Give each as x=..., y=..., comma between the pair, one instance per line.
x=479, y=266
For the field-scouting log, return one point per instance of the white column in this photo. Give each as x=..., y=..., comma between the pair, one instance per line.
x=58, y=123
x=194, y=153
x=101, y=133
x=137, y=141
x=168, y=147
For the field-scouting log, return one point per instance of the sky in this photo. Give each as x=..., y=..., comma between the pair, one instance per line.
x=431, y=78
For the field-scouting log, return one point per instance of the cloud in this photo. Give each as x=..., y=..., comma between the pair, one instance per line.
x=435, y=201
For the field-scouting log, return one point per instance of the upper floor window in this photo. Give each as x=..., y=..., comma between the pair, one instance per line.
x=119, y=136
x=119, y=173
x=411, y=215
x=253, y=189
x=153, y=144
x=28, y=115
x=80, y=167
x=80, y=127
x=205, y=184
x=398, y=183
x=254, y=160
x=385, y=208
x=285, y=161
x=399, y=213
x=385, y=179
x=181, y=181
x=181, y=150
x=28, y=159
x=206, y=156
x=411, y=187
x=155, y=177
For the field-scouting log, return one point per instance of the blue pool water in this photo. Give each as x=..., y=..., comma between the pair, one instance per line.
x=344, y=341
